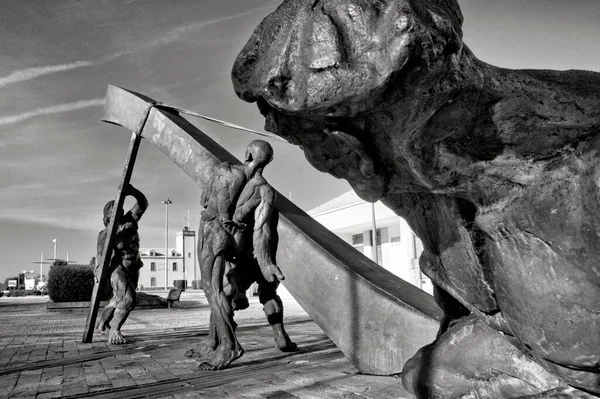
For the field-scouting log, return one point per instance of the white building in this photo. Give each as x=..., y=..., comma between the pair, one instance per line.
x=397, y=247
x=182, y=263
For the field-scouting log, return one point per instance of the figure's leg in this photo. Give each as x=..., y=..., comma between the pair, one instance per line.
x=207, y=259
x=103, y=324
x=273, y=308
x=237, y=281
x=209, y=345
x=228, y=348
x=125, y=297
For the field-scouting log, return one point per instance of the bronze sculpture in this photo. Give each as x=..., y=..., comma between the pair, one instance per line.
x=495, y=170
x=124, y=266
x=238, y=233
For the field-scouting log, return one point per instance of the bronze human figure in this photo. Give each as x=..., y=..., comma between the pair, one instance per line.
x=124, y=266
x=496, y=170
x=235, y=249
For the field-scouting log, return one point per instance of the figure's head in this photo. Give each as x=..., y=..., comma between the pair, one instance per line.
x=312, y=56
x=258, y=154
x=325, y=74
x=108, y=212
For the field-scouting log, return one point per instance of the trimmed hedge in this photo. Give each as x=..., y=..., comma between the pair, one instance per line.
x=180, y=284
x=71, y=283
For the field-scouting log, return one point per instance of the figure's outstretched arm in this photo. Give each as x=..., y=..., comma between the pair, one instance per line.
x=141, y=202
x=262, y=237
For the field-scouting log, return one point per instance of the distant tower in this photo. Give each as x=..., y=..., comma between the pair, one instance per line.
x=185, y=242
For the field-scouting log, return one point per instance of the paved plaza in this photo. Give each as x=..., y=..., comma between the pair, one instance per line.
x=41, y=356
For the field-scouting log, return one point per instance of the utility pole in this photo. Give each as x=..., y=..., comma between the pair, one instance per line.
x=167, y=202
x=54, y=241
x=374, y=235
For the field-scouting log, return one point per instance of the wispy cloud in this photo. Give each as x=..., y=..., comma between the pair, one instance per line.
x=173, y=35
x=32, y=73
x=178, y=33
x=82, y=221
x=54, y=109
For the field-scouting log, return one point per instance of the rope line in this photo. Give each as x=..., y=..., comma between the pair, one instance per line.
x=220, y=122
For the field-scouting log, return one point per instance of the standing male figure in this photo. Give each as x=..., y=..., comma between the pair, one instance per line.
x=236, y=229
x=124, y=265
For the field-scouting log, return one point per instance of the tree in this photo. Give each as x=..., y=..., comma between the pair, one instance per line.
x=10, y=278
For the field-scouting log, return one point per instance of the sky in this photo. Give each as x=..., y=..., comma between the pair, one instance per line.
x=59, y=164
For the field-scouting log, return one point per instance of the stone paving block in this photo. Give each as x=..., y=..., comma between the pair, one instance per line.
x=160, y=373
x=51, y=380
x=213, y=393
x=57, y=370
x=49, y=395
x=35, y=359
x=34, y=372
x=7, y=383
x=122, y=382
x=25, y=388
x=279, y=394
x=92, y=367
x=96, y=379
x=54, y=355
x=99, y=388
x=19, y=359
x=140, y=375
x=75, y=387
x=179, y=371
x=187, y=395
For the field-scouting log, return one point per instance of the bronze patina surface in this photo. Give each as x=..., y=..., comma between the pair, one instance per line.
x=496, y=170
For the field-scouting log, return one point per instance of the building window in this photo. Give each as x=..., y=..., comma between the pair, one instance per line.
x=378, y=237
x=152, y=281
x=151, y=252
x=152, y=266
x=189, y=254
x=174, y=266
x=357, y=239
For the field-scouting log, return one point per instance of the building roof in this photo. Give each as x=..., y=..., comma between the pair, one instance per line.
x=145, y=252
x=347, y=199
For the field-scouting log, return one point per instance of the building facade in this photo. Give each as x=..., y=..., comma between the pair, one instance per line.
x=396, y=248
x=181, y=263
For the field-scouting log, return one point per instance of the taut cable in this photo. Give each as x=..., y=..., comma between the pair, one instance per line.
x=219, y=122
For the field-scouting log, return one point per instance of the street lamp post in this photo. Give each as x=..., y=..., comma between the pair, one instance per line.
x=167, y=202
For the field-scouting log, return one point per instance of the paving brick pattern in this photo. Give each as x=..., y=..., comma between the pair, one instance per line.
x=41, y=356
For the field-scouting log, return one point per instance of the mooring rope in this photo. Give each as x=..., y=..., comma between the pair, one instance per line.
x=220, y=122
